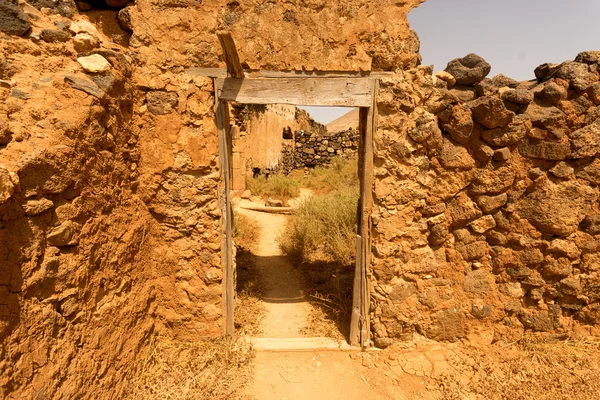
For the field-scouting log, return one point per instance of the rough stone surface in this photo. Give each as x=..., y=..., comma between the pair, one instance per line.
x=35, y=207
x=55, y=35
x=12, y=20
x=94, y=63
x=490, y=112
x=162, y=102
x=557, y=208
x=468, y=70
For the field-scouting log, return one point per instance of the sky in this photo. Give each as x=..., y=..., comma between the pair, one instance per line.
x=514, y=36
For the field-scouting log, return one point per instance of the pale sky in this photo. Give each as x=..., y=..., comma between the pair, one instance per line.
x=514, y=36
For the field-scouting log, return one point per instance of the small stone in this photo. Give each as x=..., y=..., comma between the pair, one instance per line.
x=588, y=57
x=491, y=203
x=85, y=86
x=12, y=19
x=84, y=42
x=84, y=26
x=7, y=187
x=468, y=70
x=502, y=154
x=562, y=170
x=273, y=203
x=553, y=93
x=162, y=102
x=595, y=93
x=94, y=63
x=55, y=35
x=495, y=238
x=564, y=248
x=83, y=6
x=438, y=234
x=490, y=112
x=246, y=194
x=63, y=235
x=512, y=289
x=455, y=156
x=446, y=77
x=35, y=207
x=518, y=96
x=483, y=224
x=545, y=150
x=535, y=173
x=124, y=19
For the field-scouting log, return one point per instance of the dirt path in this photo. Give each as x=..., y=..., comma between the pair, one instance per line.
x=295, y=375
x=286, y=308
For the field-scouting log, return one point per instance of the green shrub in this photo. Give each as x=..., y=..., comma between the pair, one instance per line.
x=324, y=228
x=277, y=186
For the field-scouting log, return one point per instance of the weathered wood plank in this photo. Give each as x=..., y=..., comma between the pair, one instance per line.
x=348, y=92
x=222, y=116
x=222, y=73
x=207, y=72
x=232, y=59
x=367, y=209
x=318, y=74
x=355, y=317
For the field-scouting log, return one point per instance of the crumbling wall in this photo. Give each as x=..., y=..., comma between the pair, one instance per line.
x=486, y=203
x=77, y=291
x=307, y=150
x=258, y=135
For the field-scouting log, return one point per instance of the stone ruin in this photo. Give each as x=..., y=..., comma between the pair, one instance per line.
x=485, y=224
x=307, y=150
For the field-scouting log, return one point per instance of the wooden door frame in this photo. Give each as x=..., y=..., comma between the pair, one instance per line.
x=316, y=88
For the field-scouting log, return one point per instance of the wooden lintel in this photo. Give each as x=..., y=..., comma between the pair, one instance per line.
x=222, y=73
x=343, y=92
x=234, y=67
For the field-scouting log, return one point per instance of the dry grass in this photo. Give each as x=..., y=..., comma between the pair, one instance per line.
x=245, y=231
x=205, y=370
x=323, y=228
x=279, y=186
x=340, y=175
x=529, y=369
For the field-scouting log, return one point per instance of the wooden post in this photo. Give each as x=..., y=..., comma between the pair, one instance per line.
x=234, y=67
x=222, y=116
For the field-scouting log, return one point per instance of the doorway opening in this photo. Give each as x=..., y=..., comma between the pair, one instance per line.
x=344, y=89
x=295, y=219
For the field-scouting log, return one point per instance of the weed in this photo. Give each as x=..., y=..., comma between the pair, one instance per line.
x=277, y=186
x=340, y=175
x=324, y=228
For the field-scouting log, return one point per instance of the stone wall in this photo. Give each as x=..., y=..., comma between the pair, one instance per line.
x=109, y=211
x=258, y=135
x=486, y=203
x=308, y=150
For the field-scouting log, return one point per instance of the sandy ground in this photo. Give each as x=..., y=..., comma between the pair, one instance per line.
x=295, y=375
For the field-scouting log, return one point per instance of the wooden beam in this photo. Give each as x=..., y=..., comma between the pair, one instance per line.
x=222, y=73
x=345, y=92
x=234, y=67
x=207, y=72
x=367, y=209
x=222, y=117
x=355, y=317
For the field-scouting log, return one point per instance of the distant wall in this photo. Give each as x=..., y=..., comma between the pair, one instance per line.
x=258, y=136
x=309, y=150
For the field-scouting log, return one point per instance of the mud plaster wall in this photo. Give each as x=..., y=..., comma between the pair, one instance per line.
x=258, y=140
x=109, y=214
x=486, y=205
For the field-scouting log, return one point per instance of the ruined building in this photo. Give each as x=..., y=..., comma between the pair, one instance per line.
x=484, y=219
